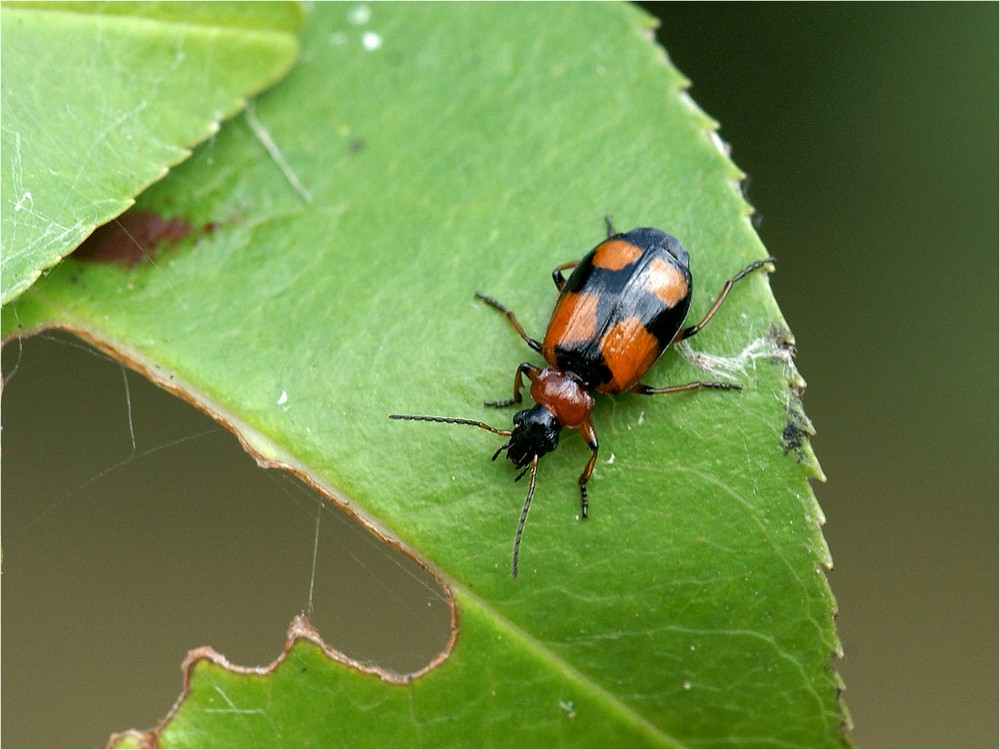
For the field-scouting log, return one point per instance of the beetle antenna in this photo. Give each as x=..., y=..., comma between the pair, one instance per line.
x=451, y=420
x=524, y=513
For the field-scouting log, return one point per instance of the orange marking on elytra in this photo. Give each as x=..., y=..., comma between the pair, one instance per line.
x=629, y=350
x=574, y=320
x=667, y=282
x=614, y=255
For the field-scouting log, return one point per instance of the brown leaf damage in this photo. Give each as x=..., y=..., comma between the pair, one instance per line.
x=134, y=236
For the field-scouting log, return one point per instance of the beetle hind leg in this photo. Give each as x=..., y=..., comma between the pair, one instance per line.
x=646, y=390
x=609, y=224
x=686, y=333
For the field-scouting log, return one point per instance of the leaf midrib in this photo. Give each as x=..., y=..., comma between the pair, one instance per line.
x=559, y=664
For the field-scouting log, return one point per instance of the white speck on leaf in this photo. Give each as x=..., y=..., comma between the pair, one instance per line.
x=359, y=15
x=371, y=41
x=283, y=398
x=25, y=200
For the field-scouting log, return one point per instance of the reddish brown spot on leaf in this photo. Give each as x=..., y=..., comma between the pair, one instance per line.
x=131, y=237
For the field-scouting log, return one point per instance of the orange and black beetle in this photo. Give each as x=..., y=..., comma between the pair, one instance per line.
x=623, y=305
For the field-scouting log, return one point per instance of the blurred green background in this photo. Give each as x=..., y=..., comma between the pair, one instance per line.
x=870, y=134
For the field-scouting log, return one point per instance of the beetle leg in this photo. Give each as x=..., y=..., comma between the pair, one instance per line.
x=690, y=331
x=526, y=368
x=646, y=390
x=557, y=275
x=588, y=433
x=609, y=225
x=534, y=344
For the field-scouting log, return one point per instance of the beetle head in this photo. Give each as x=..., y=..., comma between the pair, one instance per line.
x=535, y=433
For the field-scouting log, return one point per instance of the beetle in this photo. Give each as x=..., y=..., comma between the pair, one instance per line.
x=625, y=302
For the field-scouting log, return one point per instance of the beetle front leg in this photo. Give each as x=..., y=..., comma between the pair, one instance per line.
x=588, y=433
x=525, y=368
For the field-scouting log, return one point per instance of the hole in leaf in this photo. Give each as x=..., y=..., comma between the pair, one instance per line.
x=136, y=528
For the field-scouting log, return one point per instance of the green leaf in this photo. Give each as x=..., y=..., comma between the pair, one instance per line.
x=410, y=159
x=101, y=99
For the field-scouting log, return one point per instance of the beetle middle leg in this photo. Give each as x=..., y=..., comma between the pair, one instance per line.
x=525, y=368
x=557, y=275
x=533, y=343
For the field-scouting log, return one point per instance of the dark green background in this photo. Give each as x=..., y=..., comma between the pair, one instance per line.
x=870, y=132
